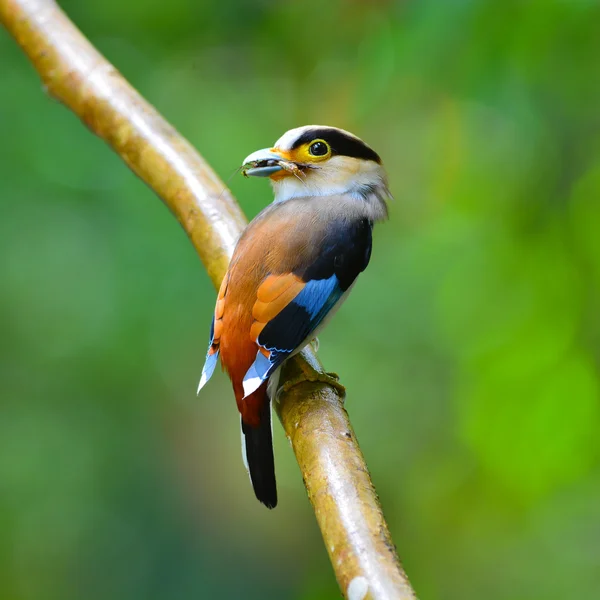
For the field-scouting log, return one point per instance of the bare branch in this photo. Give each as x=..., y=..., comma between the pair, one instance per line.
x=333, y=468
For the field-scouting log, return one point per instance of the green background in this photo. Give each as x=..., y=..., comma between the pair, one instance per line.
x=470, y=347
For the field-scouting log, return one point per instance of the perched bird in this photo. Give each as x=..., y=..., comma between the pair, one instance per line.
x=292, y=268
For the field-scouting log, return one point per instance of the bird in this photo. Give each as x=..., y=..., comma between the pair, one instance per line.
x=292, y=268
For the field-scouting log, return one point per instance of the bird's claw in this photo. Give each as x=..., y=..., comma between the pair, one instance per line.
x=312, y=375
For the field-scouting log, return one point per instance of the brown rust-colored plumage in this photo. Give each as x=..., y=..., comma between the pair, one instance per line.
x=260, y=283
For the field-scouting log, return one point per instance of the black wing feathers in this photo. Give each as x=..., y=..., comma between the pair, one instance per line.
x=345, y=254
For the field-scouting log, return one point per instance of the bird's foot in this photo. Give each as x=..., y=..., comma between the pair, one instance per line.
x=312, y=375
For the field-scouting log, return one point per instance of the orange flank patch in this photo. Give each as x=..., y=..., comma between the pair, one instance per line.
x=219, y=310
x=218, y=329
x=283, y=293
x=274, y=294
x=256, y=330
x=274, y=285
x=223, y=288
x=266, y=353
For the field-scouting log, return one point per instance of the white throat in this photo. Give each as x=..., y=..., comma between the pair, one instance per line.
x=362, y=181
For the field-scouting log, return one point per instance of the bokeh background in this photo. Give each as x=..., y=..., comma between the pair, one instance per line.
x=470, y=347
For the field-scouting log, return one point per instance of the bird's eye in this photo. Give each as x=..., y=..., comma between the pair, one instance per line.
x=318, y=149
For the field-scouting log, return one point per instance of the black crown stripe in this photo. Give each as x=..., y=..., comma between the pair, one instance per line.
x=341, y=143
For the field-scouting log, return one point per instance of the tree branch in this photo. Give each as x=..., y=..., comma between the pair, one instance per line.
x=333, y=468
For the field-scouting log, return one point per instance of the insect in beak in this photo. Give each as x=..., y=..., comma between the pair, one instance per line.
x=265, y=163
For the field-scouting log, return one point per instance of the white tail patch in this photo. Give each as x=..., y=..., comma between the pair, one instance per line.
x=251, y=383
x=208, y=370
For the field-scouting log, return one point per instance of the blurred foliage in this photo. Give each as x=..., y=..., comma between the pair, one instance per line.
x=470, y=347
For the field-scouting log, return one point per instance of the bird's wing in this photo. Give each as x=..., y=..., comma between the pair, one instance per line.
x=291, y=306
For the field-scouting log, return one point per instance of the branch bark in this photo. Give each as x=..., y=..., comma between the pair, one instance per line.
x=333, y=468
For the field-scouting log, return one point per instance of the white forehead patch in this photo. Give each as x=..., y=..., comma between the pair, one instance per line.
x=286, y=141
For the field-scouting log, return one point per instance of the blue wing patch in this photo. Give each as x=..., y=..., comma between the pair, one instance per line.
x=211, y=359
x=318, y=297
x=292, y=326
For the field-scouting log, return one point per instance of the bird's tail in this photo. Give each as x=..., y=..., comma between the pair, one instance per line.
x=257, y=449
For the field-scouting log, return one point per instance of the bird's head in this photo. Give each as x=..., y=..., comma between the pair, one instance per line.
x=316, y=160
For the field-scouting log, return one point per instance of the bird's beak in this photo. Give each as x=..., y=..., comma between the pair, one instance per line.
x=264, y=163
